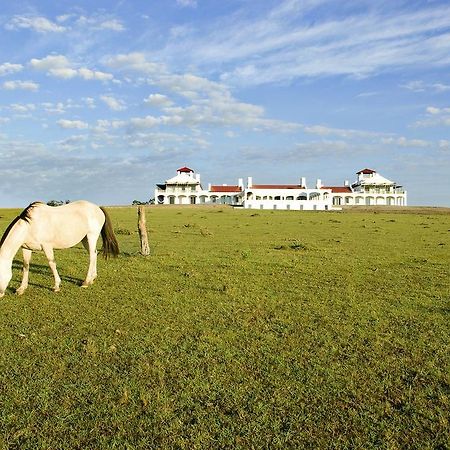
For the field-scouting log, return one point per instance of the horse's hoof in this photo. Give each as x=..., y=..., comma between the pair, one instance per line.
x=84, y=285
x=20, y=291
x=56, y=289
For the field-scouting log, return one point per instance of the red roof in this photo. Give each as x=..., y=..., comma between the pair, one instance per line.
x=338, y=189
x=366, y=171
x=219, y=188
x=277, y=186
x=185, y=170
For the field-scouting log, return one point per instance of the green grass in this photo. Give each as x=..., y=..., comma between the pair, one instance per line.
x=243, y=329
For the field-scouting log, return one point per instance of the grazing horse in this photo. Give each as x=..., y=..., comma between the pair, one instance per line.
x=42, y=227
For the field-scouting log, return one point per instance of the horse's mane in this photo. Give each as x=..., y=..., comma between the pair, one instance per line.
x=24, y=215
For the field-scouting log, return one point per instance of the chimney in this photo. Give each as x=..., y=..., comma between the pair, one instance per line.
x=249, y=182
x=198, y=177
x=241, y=183
x=346, y=183
x=209, y=187
x=303, y=181
x=318, y=183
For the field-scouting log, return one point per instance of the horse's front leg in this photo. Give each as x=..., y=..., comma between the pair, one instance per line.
x=25, y=271
x=52, y=263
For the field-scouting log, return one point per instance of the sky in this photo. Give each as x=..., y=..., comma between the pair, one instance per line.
x=102, y=100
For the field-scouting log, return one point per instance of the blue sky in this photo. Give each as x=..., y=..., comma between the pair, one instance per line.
x=101, y=100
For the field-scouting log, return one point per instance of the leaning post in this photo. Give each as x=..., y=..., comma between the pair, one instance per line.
x=142, y=228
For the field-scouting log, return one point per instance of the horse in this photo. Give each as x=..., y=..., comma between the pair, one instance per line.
x=42, y=227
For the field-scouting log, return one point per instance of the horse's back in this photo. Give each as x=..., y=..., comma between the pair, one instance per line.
x=66, y=225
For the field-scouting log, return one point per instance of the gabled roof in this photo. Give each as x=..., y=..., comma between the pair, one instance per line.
x=366, y=171
x=182, y=178
x=338, y=189
x=277, y=186
x=374, y=180
x=218, y=188
x=185, y=170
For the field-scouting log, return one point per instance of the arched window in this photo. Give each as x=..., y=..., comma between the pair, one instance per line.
x=337, y=200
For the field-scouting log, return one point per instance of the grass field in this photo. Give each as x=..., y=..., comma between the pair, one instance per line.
x=243, y=329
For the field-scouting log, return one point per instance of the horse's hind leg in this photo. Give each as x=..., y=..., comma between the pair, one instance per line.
x=25, y=271
x=90, y=244
x=52, y=263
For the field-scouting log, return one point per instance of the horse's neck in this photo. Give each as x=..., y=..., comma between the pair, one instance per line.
x=15, y=239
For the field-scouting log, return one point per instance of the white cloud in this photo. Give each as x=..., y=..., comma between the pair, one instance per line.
x=64, y=17
x=65, y=73
x=23, y=85
x=135, y=62
x=212, y=103
x=436, y=117
x=59, y=66
x=421, y=86
x=99, y=22
x=8, y=68
x=158, y=100
x=404, y=142
x=89, y=74
x=257, y=45
x=433, y=110
x=22, y=108
x=71, y=143
x=322, y=130
x=151, y=121
x=72, y=124
x=38, y=24
x=54, y=108
x=90, y=102
x=187, y=3
x=50, y=62
x=113, y=24
x=113, y=103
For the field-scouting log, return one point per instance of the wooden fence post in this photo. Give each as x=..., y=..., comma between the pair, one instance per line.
x=145, y=248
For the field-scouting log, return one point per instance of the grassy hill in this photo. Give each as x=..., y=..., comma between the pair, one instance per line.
x=243, y=329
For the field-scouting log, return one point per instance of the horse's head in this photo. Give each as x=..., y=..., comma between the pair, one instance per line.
x=5, y=276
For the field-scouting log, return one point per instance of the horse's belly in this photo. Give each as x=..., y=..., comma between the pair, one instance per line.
x=31, y=245
x=65, y=240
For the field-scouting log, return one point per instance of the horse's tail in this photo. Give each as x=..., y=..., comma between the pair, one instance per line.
x=110, y=244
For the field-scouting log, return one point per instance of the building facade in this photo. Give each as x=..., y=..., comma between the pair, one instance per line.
x=370, y=188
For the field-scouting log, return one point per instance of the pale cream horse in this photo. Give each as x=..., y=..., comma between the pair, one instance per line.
x=42, y=227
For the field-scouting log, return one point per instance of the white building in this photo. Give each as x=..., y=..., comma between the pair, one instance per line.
x=370, y=188
x=185, y=189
